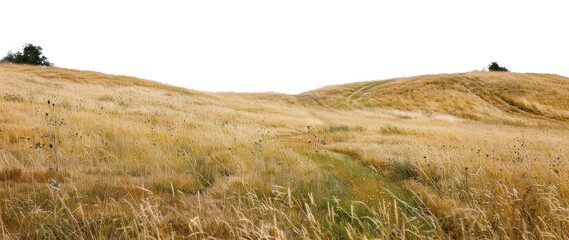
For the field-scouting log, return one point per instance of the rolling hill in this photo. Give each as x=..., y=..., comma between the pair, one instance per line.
x=473, y=95
x=478, y=155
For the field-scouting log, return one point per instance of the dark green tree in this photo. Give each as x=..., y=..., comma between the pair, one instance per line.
x=31, y=55
x=494, y=67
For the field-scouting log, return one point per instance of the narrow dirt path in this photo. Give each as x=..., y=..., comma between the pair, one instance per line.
x=365, y=184
x=366, y=87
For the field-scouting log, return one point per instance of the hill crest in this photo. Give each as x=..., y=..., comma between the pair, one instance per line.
x=471, y=95
x=485, y=96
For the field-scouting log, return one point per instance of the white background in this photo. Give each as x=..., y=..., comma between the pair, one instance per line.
x=289, y=46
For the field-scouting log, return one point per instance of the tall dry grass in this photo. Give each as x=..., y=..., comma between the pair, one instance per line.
x=137, y=159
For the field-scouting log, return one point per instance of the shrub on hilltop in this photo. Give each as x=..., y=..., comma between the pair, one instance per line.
x=31, y=55
x=494, y=67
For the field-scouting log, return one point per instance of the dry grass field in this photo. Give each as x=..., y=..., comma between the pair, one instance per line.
x=478, y=155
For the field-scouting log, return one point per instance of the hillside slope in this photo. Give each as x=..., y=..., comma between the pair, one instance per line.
x=472, y=95
x=96, y=156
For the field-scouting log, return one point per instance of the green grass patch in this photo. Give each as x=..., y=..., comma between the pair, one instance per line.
x=337, y=128
x=363, y=183
x=13, y=97
x=184, y=185
x=349, y=180
x=353, y=180
x=393, y=130
x=106, y=98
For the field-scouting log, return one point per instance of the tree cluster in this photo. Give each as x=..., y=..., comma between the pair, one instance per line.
x=31, y=55
x=494, y=67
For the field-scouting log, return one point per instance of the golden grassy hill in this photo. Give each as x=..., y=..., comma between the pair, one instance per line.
x=459, y=156
x=486, y=96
